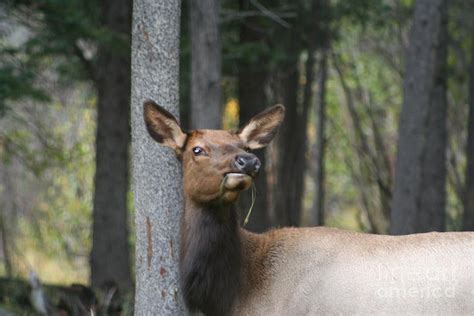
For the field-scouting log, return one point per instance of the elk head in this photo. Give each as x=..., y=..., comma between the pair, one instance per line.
x=217, y=164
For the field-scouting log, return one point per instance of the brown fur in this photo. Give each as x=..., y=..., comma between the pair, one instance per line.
x=218, y=259
x=308, y=271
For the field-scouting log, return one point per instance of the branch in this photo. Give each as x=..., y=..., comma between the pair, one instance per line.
x=233, y=15
x=270, y=14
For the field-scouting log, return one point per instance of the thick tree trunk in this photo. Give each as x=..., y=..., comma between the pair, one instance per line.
x=156, y=172
x=291, y=155
x=420, y=180
x=206, y=109
x=110, y=257
x=251, y=84
x=468, y=220
x=318, y=203
x=292, y=145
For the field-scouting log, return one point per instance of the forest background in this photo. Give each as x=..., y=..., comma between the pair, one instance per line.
x=378, y=136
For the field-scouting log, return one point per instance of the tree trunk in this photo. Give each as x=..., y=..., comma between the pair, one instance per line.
x=298, y=156
x=5, y=242
x=367, y=170
x=286, y=212
x=292, y=145
x=318, y=203
x=110, y=257
x=291, y=156
x=420, y=180
x=157, y=175
x=468, y=220
x=251, y=84
x=206, y=110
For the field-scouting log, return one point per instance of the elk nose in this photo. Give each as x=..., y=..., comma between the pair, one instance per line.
x=248, y=163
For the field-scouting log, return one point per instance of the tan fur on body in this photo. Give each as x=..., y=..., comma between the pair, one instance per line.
x=297, y=271
x=309, y=271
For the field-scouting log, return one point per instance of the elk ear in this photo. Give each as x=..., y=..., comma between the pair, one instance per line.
x=163, y=126
x=262, y=128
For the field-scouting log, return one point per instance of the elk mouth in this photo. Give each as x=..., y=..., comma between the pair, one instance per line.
x=235, y=181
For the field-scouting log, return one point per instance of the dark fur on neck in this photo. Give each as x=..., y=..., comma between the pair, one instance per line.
x=210, y=265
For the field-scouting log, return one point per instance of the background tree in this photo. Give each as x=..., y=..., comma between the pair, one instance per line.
x=420, y=183
x=52, y=57
x=320, y=146
x=291, y=162
x=206, y=98
x=156, y=171
x=468, y=220
x=72, y=43
x=251, y=83
x=110, y=256
x=323, y=42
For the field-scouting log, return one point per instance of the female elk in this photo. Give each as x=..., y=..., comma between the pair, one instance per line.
x=225, y=269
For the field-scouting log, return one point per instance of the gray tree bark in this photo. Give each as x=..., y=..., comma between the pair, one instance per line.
x=420, y=180
x=468, y=219
x=156, y=171
x=110, y=255
x=206, y=109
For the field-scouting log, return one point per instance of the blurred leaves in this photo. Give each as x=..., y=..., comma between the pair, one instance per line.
x=56, y=148
x=63, y=36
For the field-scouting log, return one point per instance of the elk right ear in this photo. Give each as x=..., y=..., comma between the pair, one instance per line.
x=262, y=127
x=163, y=126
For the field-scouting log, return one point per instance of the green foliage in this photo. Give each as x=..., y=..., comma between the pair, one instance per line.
x=64, y=38
x=53, y=151
x=17, y=83
x=23, y=62
x=49, y=135
x=56, y=148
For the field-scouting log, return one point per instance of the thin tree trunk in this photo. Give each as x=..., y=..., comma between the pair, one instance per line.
x=5, y=245
x=468, y=219
x=156, y=172
x=368, y=165
x=206, y=110
x=317, y=214
x=110, y=257
x=420, y=180
x=251, y=84
x=285, y=212
x=5, y=226
x=299, y=157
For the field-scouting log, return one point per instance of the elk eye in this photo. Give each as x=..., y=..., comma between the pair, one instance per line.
x=247, y=149
x=197, y=150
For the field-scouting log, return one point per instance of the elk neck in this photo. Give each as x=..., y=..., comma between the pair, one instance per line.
x=211, y=257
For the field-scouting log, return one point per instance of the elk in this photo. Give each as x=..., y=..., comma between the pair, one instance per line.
x=227, y=270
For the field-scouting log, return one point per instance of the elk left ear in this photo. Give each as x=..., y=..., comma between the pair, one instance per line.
x=262, y=128
x=163, y=126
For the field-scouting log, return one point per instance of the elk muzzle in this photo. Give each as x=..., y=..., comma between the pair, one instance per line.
x=248, y=164
x=248, y=167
